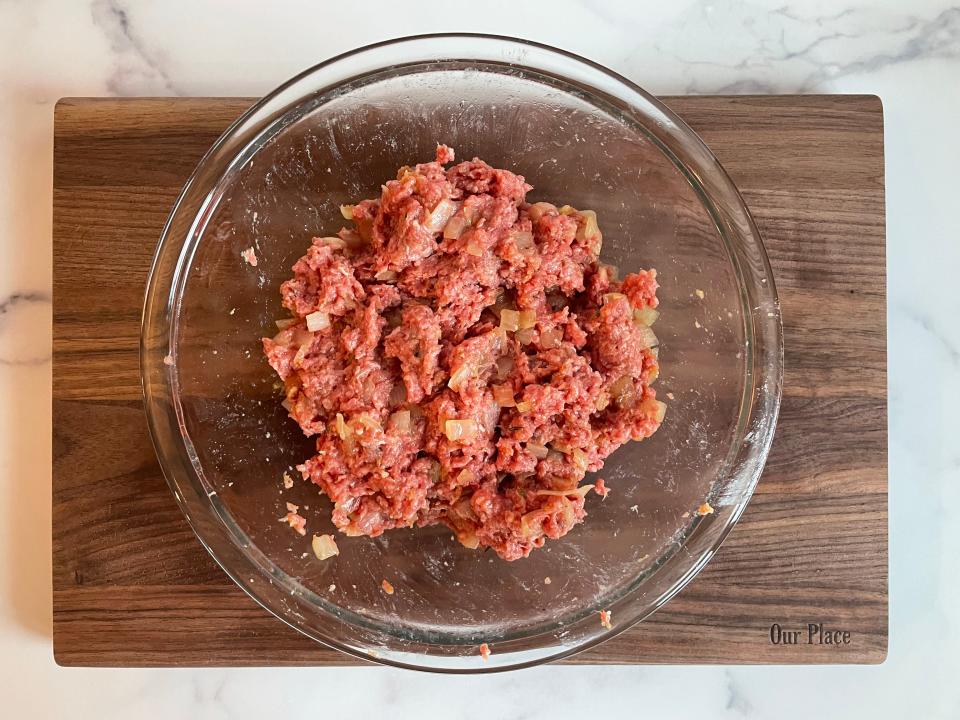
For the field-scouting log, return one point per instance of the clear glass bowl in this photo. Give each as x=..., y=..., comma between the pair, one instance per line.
x=581, y=135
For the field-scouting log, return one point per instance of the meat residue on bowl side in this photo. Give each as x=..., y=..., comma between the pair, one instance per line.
x=463, y=357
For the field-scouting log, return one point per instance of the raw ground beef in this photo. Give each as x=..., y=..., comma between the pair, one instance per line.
x=462, y=357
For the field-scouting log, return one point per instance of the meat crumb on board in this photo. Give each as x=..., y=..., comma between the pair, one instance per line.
x=249, y=256
x=605, y=616
x=387, y=587
x=600, y=488
x=484, y=651
x=287, y=481
x=705, y=509
x=547, y=580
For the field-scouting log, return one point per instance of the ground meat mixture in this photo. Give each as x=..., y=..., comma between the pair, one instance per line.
x=462, y=357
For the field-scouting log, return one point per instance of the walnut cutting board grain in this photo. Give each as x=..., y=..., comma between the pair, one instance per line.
x=132, y=586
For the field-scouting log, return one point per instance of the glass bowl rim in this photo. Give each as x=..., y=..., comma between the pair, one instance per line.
x=764, y=333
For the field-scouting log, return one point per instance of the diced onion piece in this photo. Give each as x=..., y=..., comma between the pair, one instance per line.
x=455, y=227
x=503, y=395
x=525, y=336
x=537, y=450
x=387, y=276
x=303, y=347
x=469, y=540
x=645, y=316
x=538, y=210
x=531, y=524
x=527, y=319
x=285, y=323
x=347, y=212
x=348, y=505
x=459, y=377
x=550, y=338
x=647, y=337
x=603, y=400
x=400, y=421
x=343, y=430
x=589, y=232
x=567, y=210
x=660, y=412
x=580, y=459
x=334, y=243
x=460, y=430
x=509, y=320
x=523, y=239
x=472, y=248
x=498, y=338
x=560, y=447
x=612, y=297
x=433, y=472
x=318, y=321
x=524, y=406
x=466, y=477
x=324, y=546
x=368, y=422
x=437, y=218
x=623, y=391
x=471, y=212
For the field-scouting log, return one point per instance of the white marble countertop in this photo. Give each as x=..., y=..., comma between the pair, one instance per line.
x=910, y=57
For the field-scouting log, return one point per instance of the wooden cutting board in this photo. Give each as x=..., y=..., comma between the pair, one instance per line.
x=131, y=584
